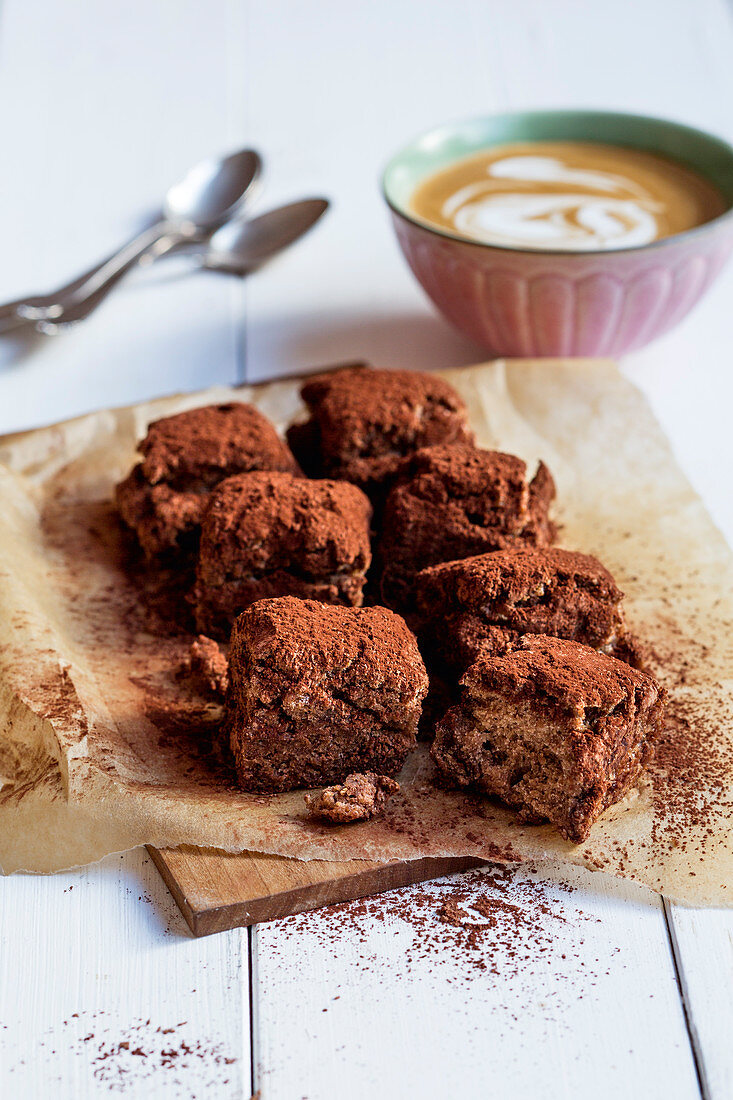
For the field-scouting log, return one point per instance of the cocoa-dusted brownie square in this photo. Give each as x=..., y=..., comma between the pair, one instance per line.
x=363, y=423
x=166, y=521
x=202, y=446
x=556, y=730
x=463, y=606
x=318, y=692
x=183, y=458
x=454, y=502
x=271, y=534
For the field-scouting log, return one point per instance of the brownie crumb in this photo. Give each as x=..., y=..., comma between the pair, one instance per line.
x=207, y=666
x=360, y=797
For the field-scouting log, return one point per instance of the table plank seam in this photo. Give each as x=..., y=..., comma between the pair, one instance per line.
x=251, y=954
x=697, y=1055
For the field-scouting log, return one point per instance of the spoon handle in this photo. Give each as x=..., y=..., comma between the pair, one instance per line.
x=78, y=307
x=52, y=305
x=39, y=306
x=250, y=244
x=9, y=316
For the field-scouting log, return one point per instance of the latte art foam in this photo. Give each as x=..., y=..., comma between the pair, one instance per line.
x=570, y=196
x=606, y=217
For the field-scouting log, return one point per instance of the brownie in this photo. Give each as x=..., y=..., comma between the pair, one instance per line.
x=183, y=458
x=318, y=691
x=539, y=529
x=364, y=422
x=454, y=502
x=463, y=606
x=202, y=446
x=165, y=520
x=358, y=798
x=553, y=728
x=272, y=534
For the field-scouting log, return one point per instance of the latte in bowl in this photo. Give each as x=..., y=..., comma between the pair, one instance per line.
x=575, y=195
x=564, y=233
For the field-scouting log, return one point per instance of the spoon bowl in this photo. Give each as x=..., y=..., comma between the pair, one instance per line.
x=212, y=190
x=240, y=246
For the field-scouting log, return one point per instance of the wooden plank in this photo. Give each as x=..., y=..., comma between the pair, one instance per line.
x=362, y=301
x=703, y=945
x=102, y=107
x=98, y=120
x=96, y=958
x=215, y=890
x=570, y=993
x=357, y=299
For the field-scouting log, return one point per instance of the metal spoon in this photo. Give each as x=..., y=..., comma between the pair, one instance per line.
x=241, y=246
x=236, y=249
x=206, y=197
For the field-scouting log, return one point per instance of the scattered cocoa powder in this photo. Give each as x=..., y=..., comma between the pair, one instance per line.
x=496, y=921
x=131, y=1059
x=694, y=757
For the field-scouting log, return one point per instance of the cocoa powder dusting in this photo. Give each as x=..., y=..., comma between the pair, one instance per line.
x=131, y=1059
x=500, y=930
x=693, y=759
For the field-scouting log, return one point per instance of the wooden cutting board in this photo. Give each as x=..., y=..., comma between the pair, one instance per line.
x=216, y=891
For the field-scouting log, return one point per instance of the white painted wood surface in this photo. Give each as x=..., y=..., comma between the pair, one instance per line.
x=102, y=106
x=702, y=941
x=578, y=992
x=103, y=991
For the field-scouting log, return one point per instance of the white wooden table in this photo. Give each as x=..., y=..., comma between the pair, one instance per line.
x=102, y=105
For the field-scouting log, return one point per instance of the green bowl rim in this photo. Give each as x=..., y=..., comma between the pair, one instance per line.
x=588, y=113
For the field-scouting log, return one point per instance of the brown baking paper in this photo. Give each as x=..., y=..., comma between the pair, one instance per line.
x=103, y=748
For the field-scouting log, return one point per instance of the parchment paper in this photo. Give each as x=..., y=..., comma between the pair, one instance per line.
x=103, y=748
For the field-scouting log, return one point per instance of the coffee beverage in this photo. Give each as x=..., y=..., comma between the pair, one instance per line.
x=566, y=195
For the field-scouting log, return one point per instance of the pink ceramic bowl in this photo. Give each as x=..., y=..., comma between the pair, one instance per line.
x=524, y=302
